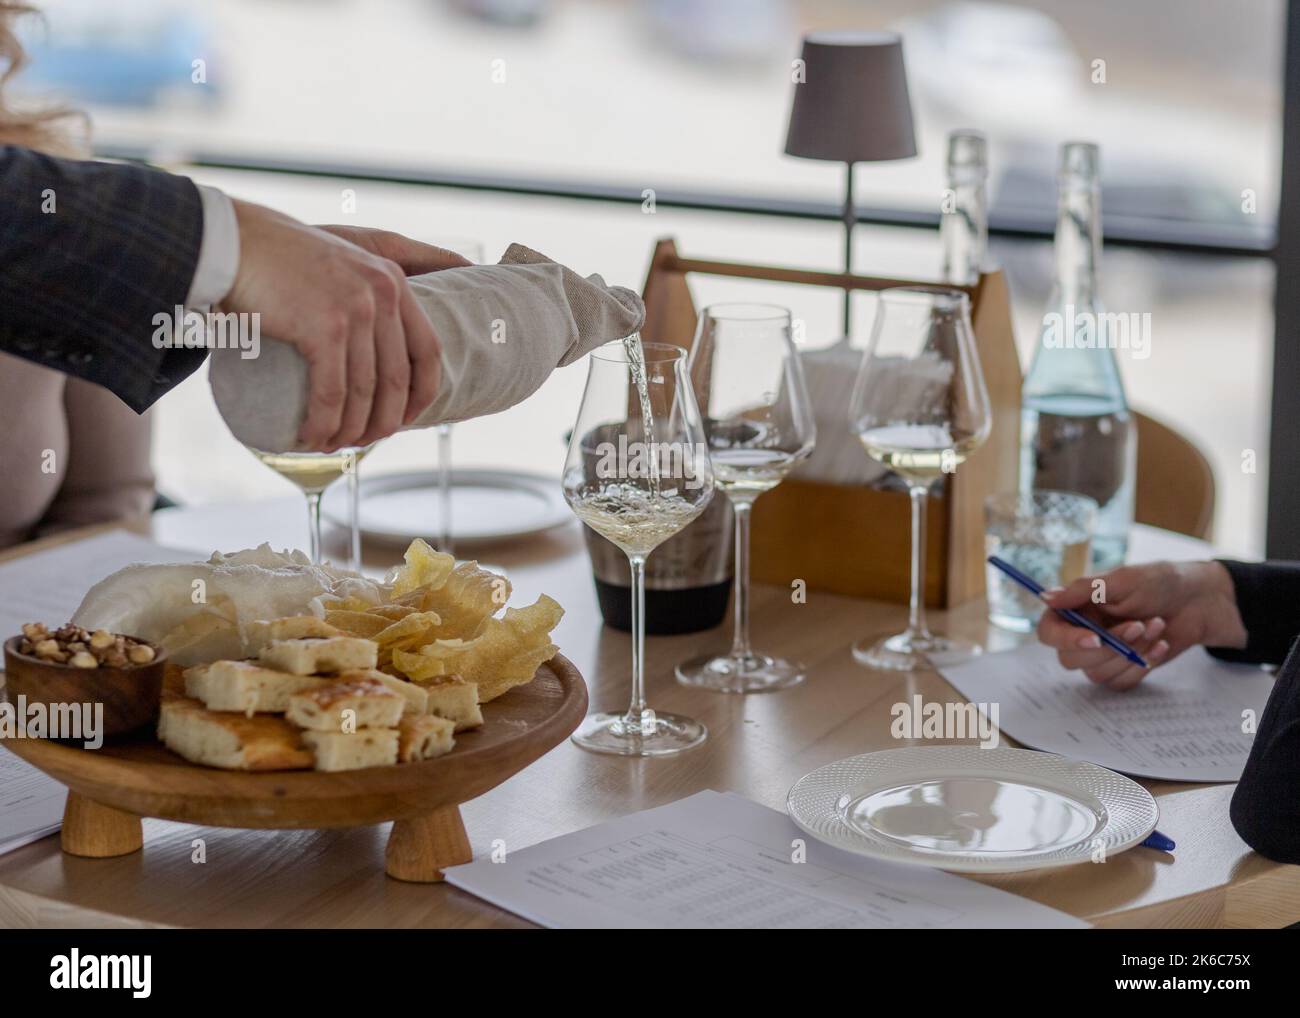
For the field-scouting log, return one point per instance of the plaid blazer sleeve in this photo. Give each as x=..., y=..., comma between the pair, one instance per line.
x=90, y=252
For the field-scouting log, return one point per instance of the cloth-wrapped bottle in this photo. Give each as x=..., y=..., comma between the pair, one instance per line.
x=503, y=328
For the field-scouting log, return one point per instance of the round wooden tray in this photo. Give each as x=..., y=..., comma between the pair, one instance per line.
x=111, y=788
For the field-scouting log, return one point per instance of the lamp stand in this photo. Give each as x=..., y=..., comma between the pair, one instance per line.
x=850, y=218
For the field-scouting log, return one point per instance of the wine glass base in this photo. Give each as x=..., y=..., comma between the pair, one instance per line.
x=909, y=652
x=751, y=673
x=657, y=735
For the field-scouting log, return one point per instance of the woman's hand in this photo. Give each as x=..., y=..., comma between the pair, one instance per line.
x=1159, y=610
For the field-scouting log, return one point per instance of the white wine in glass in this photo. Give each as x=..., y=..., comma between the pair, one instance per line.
x=919, y=408
x=313, y=472
x=759, y=425
x=637, y=471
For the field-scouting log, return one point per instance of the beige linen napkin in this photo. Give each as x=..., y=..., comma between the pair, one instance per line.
x=504, y=328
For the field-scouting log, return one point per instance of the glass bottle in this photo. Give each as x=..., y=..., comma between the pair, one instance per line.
x=964, y=226
x=1076, y=431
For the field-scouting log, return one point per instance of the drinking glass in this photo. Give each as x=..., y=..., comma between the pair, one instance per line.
x=313, y=472
x=920, y=408
x=473, y=250
x=352, y=472
x=759, y=423
x=637, y=471
x=1046, y=535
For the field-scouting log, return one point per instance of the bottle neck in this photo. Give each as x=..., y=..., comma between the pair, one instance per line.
x=965, y=229
x=1078, y=244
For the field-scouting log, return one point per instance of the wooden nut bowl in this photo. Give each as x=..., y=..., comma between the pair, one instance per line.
x=111, y=788
x=131, y=695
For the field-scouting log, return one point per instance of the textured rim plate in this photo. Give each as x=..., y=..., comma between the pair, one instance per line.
x=487, y=505
x=972, y=810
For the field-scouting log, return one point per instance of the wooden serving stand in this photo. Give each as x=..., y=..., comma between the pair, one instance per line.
x=112, y=788
x=853, y=539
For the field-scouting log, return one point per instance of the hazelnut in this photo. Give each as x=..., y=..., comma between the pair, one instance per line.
x=83, y=659
x=101, y=639
x=34, y=631
x=46, y=648
x=140, y=654
x=114, y=659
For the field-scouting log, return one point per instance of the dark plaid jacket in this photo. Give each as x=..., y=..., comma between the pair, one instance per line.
x=89, y=253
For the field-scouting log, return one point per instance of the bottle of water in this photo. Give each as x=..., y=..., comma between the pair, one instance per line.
x=964, y=228
x=1076, y=432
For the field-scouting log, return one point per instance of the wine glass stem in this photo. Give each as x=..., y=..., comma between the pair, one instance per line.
x=916, y=609
x=354, y=506
x=313, y=525
x=444, y=486
x=637, y=706
x=740, y=638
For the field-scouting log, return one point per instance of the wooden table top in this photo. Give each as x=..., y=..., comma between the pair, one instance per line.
x=758, y=746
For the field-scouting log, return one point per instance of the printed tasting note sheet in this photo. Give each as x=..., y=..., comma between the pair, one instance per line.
x=719, y=861
x=1189, y=720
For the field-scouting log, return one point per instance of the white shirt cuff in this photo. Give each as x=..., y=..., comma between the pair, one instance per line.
x=218, y=262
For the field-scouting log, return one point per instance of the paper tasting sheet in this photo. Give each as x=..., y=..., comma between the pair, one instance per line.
x=31, y=803
x=49, y=585
x=719, y=861
x=1183, y=722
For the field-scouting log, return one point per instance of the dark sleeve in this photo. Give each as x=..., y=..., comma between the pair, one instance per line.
x=1268, y=598
x=90, y=252
x=1266, y=805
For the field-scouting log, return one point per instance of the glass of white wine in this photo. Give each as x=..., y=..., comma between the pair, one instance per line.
x=759, y=424
x=313, y=472
x=638, y=471
x=920, y=408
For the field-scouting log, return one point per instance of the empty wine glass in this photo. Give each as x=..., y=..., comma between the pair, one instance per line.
x=759, y=424
x=473, y=251
x=637, y=471
x=919, y=407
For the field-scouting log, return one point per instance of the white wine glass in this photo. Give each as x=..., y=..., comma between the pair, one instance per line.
x=919, y=407
x=637, y=471
x=759, y=424
x=473, y=251
x=352, y=471
x=313, y=472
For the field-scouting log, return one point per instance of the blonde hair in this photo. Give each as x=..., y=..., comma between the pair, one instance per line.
x=50, y=129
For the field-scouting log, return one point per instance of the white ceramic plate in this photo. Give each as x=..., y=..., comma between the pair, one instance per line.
x=486, y=506
x=973, y=810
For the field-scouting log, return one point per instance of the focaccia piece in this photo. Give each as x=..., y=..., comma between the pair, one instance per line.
x=423, y=738
x=295, y=627
x=315, y=656
x=230, y=741
x=373, y=705
x=350, y=751
x=417, y=701
x=245, y=687
x=453, y=698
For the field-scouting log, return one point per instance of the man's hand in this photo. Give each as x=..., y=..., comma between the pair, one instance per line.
x=1164, y=608
x=372, y=357
x=414, y=256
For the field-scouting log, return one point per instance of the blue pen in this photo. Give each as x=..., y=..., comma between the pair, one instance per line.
x=1070, y=616
x=1159, y=842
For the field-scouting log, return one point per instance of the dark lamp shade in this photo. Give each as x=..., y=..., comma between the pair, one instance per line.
x=852, y=105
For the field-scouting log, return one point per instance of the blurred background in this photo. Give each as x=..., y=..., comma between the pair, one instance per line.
x=589, y=128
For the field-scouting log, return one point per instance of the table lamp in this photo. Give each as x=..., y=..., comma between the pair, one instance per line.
x=851, y=106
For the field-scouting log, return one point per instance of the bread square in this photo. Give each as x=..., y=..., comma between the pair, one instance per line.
x=371, y=703
x=423, y=738
x=230, y=741
x=314, y=656
x=245, y=687
x=451, y=697
x=261, y=634
x=350, y=751
x=417, y=701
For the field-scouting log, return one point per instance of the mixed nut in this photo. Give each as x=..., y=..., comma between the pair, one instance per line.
x=80, y=648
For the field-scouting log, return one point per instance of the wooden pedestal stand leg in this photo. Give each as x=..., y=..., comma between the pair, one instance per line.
x=418, y=849
x=98, y=832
